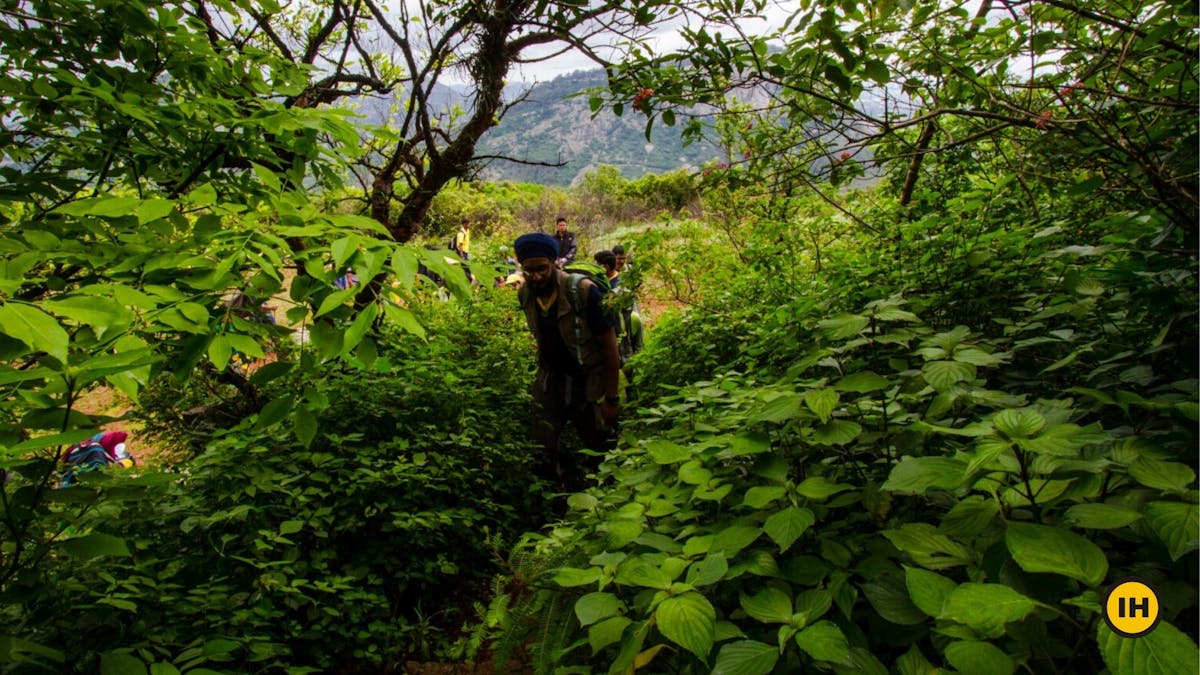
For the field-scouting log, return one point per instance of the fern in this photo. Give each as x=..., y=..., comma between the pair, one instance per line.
x=525, y=612
x=555, y=629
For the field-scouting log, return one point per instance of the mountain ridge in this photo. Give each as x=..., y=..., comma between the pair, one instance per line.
x=555, y=124
x=554, y=137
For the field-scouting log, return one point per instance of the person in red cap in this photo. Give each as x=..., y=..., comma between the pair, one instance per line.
x=578, y=362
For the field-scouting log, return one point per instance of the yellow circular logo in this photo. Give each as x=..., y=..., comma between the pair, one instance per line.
x=1131, y=608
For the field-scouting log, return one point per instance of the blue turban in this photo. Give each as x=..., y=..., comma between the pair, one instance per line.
x=536, y=245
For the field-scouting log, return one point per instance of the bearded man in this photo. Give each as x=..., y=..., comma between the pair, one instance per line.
x=579, y=365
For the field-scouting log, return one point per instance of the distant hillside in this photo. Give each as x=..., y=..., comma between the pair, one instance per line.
x=552, y=126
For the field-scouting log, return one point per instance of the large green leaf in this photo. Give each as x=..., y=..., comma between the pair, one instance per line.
x=862, y=383
x=979, y=658
x=979, y=357
x=759, y=496
x=1063, y=440
x=51, y=440
x=37, y=329
x=745, y=657
x=824, y=641
x=92, y=310
x=95, y=545
x=596, y=606
x=708, y=571
x=112, y=663
x=335, y=300
x=688, y=620
x=929, y=548
x=1163, y=651
x=781, y=408
x=666, y=452
x=304, y=425
x=890, y=599
x=813, y=603
x=404, y=318
x=607, y=632
x=915, y=475
x=843, y=326
x=1176, y=524
x=1019, y=422
x=734, y=538
x=14, y=650
x=1162, y=475
x=942, y=375
x=637, y=571
x=743, y=444
x=1101, y=516
x=220, y=351
x=786, y=526
x=928, y=590
x=569, y=577
x=1043, y=548
x=101, y=207
x=836, y=432
x=820, y=488
x=770, y=605
x=822, y=402
x=913, y=662
x=970, y=517
x=986, y=607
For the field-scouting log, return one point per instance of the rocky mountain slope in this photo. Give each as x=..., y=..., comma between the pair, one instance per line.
x=554, y=125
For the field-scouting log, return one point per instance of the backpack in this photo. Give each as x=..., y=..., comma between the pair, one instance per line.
x=627, y=343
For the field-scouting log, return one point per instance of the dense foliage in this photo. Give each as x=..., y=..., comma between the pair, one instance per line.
x=865, y=483
x=265, y=551
x=925, y=426
x=920, y=424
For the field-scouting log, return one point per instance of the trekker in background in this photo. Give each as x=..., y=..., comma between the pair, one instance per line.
x=621, y=256
x=102, y=450
x=608, y=261
x=565, y=241
x=461, y=243
x=578, y=372
x=348, y=280
x=629, y=332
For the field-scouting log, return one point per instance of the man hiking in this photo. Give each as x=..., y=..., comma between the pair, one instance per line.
x=566, y=242
x=578, y=363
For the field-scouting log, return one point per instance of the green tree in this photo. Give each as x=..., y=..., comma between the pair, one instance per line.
x=1099, y=97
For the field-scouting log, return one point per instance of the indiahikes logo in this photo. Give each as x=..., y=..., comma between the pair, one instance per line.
x=1131, y=608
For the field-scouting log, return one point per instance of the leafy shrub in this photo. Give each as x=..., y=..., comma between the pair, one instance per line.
x=905, y=495
x=357, y=548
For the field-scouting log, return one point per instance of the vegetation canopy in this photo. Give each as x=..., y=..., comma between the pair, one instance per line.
x=920, y=383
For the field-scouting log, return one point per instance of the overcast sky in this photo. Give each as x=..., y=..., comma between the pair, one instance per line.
x=666, y=39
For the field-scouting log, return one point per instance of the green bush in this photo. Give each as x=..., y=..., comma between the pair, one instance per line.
x=904, y=495
x=361, y=547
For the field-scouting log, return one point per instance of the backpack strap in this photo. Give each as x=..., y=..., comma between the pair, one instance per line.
x=574, y=281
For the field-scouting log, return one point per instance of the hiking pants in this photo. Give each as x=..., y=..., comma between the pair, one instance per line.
x=558, y=399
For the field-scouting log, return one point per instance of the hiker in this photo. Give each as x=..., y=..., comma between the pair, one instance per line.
x=461, y=242
x=565, y=241
x=347, y=280
x=508, y=273
x=629, y=332
x=578, y=372
x=100, y=451
x=608, y=261
x=622, y=258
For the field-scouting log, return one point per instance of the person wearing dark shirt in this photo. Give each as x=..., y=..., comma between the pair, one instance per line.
x=565, y=241
x=579, y=365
